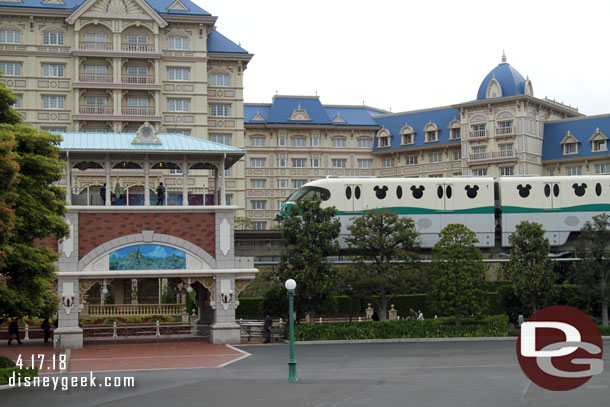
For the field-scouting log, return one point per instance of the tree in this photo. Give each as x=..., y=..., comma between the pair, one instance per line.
x=529, y=266
x=457, y=273
x=594, y=249
x=309, y=234
x=382, y=237
x=242, y=223
x=34, y=207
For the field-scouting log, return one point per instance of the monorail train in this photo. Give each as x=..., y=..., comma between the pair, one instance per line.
x=487, y=206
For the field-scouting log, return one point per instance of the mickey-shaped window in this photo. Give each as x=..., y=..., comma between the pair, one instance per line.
x=418, y=191
x=579, y=190
x=380, y=192
x=471, y=192
x=524, y=190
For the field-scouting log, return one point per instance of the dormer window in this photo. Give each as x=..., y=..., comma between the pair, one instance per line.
x=407, y=135
x=455, y=130
x=599, y=142
x=570, y=144
x=383, y=138
x=431, y=133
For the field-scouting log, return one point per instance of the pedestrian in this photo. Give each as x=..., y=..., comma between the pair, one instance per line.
x=375, y=316
x=13, y=331
x=103, y=193
x=268, y=327
x=412, y=313
x=118, y=193
x=420, y=317
x=160, y=194
x=46, y=327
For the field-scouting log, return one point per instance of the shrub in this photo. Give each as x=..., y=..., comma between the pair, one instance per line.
x=6, y=362
x=250, y=308
x=8, y=372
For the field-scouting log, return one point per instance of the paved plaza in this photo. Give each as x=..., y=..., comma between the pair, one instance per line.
x=483, y=373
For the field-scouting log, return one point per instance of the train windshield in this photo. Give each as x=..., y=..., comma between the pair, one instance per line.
x=309, y=193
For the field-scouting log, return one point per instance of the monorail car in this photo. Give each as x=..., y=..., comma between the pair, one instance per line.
x=561, y=204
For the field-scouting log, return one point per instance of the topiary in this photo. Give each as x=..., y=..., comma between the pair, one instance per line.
x=6, y=362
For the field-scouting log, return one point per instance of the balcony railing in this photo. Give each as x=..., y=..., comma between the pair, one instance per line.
x=139, y=79
x=95, y=46
x=492, y=155
x=504, y=131
x=138, y=47
x=95, y=78
x=135, y=309
x=480, y=156
x=504, y=154
x=95, y=110
x=478, y=134
x=138, y=111
x=135, y=196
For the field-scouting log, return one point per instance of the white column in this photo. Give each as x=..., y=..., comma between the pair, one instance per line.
x=146, y=189
x=108, y=186
x=68, y=183
x=223, y=195
x=216, y=183
x=185, y=190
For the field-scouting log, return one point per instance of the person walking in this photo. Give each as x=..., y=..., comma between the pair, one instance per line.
x=268, y=328
x=160, y=194
x=46, y=327
x=13, y=331
x=103, y=194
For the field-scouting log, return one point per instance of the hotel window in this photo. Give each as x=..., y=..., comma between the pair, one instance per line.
x=479, y=152
x=506, y=150
x=96, y=69
x=223, y=110
x=315, y=141
x=259, y=225
x=53, y=38
x=258, y=205
x=505, y=127
x=96, y=100
x=477, y=130
x=257, y=162
x=137, y=70
x=10, y=68
x=315, y=163
x=455, y=133
x=257, y=141
x=281, y=141
x=602, y=168
x=408, y=138
x=298, y=163
x=338, y=142
x=457, y=174
x=10, y=37
x=179, y=105
x=387, y=162
x=570, y=148
x=178, y=43
x=137, y=102
x=505, y=171
x=383, y=141
x=298, y=142
x=435, y=158
x=137, y=39
x=282, y=162
x=599, y=145
x=54, y=129
x=364, y=143
x=258, y=183
x=184, y=132
x=339, y=163
x=411, y=160
x=298, y=183
x=457, y=155
x=95, y=37
x=481, y=172
x=282, y=183
x=228, y=199
x=435, y=176
x=550, y=172
x=220, y=79
x=178, y=74
x=365, y=163
x=53, y=102
x=431, y=136
x=574, y=171
x=227, y=172
x=221, y=138
x=17, y=104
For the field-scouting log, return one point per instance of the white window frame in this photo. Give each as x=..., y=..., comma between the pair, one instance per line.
x=282, y=183
x=96, y=100
x=53, y=102
x=387, y=162
x=178, y=73
x=282, y=162
x=411, y=160
x=457, y=155
x=221, y=138
x=281, y=141
x=259, y=225
x=96, y=69
x=184, y=132
x=10, y=68
x=602, y=168
x=258, y=205
x=315, y=141
x=53, y=38
x=96, y=37
x=338, y=142
x=479, y=172
x=257, y=162
x=220, y=80
x=364, y=143
x=298, y=142
x=365, y=163
x=137, y=101
x=257, y=141
x=137, y=39
x=316, y=163
x=600, y=145
x=258, y=183
x=339, y=163
x=10, y=36
x=507, y=171
x=19, y=102
x=298, y=183
x=220, y=110
x=435, y=158
x=572, y=171
x=299, y=163
x=178, y=43
x=137, y=70
x=179, y=105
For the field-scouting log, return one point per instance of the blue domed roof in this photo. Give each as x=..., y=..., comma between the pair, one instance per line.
x=511, y=82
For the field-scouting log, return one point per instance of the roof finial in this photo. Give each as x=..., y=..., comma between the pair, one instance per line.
x=299, y=106
x=503, y=57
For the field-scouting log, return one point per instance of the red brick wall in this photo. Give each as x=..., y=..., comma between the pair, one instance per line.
x=95, y=229
x=50, y=242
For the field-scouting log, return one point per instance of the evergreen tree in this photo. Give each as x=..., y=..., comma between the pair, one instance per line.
x=382, y=238
x=309, y=234
x=594, y=269
x=457, y=273
x=529, y=267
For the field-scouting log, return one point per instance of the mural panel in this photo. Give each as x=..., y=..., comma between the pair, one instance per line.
x=148, y=257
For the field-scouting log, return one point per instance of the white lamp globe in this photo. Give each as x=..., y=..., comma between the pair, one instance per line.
x=189, y=289
x=290, y=284
x=105, y=291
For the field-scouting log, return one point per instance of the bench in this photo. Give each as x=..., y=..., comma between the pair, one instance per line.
x=255, y=329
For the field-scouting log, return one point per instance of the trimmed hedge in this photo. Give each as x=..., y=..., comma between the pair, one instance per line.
x=409, y=328
x=6, y=362
x=8, y=372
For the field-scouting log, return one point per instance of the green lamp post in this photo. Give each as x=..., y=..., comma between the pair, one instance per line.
x=292, y=364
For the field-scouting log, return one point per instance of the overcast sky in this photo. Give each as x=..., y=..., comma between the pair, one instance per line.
x=408, y=54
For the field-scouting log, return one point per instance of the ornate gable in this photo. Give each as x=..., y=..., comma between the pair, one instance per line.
x=339, y=119
x=257, y=117
x=178, y=6
x=569, y=138
x=494, y=90
x=106, y=8
x=60, y=2
x=146, y=134
x=598, y=135
x=300, y=114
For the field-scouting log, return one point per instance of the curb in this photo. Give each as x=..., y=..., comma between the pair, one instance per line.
x=413, y=340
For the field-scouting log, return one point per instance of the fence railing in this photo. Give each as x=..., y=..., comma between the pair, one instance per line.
x=95, y=46
x=95, y=110
x=138, y=79
x=95, y=78
x=145, y=48
x=135, y=309
x=504, y=131
x=138, y=111
x=478, y=134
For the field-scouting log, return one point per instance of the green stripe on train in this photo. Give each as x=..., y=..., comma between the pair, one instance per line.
x=577, y=208
x=401, y=210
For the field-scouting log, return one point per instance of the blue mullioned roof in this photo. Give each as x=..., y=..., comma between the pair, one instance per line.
x=123, y=142
x=160, y=6
x=283, y=107
x=250, y=111
x=353, y=115
x=511, y=81
x=221, y=44
x=418, y=121
x=582, y=129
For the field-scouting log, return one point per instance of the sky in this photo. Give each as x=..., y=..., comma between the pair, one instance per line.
x=404, y=55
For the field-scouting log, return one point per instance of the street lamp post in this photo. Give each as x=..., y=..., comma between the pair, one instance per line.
x=349, y=287
x=292, y=364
